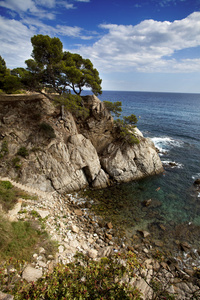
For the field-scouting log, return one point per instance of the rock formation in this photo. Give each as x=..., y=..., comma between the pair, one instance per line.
x=81, y=154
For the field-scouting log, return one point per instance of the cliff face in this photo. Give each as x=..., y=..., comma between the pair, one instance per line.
x=80, y=155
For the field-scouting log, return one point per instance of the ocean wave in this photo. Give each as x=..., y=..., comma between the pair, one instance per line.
x=172, y=164
x=196, y=176
x=164, y=144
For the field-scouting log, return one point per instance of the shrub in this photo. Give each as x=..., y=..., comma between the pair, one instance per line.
x=23, y=152
x=47, y=130
x=4, y=149
x=113, y=107
x=73, y=104
x=7, y=195
x=87, y=279
x=16, y=163
x=126, y=132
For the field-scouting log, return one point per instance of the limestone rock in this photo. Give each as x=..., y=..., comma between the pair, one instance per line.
x=82, y=154
x=75, y=229
x=130, y=162
x=92, y=253
x=4, y=296
x=31, y=274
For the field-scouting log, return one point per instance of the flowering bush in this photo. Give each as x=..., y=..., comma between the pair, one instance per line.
x=108, y=278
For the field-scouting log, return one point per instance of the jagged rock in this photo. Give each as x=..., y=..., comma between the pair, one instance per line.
x=105, y=252
x=144, y=233
x=43, y=213
x=75, y=229
x=92, y=253
x=31, y=274
x=82, y=153
x=197, y=181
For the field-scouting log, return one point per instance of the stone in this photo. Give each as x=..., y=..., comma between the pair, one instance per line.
x=42, y=250
x=78, y=212
x=75, y=229
x=146, y=203
x=108, y=236
x=130, y=248
x=74, y=244
x=197, y=181
x=42, y=264
x=185, y=246
x=43, y=213
x=61, y=249
x=31, y=274
x=12, y=214
x=144, y=233
x=162, y=227
x=91, y=241
x=109, y=225
x=105, y=252
x=4, y=296
x=92, y=253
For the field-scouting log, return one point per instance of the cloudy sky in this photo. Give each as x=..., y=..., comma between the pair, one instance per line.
x=136, y=45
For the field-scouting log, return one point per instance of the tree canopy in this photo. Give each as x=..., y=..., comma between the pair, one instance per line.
x=58, y=70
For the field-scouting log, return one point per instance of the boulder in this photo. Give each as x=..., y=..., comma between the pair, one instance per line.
x=82, y=153
x=31, y=274
x=197, y=181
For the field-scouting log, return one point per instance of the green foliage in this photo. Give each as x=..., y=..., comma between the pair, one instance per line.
x=3, y=72
x=73, y=104
x=47, y=130
x=114, y=107
x=47, y=51
x=79, y=72
x=131, y=120
x=54, y=69
x=4, y=149
x=23, y=152
x=125, y=129
x=86, y=279
x=7, y=195
x=16, y=163
x=128, y=135
x=11, y=83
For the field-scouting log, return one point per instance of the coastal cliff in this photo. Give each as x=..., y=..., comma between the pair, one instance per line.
x=42, y=148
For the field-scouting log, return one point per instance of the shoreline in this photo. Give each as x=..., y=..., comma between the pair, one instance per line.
x=71, y=222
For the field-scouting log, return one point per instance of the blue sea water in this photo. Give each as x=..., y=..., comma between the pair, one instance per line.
x=172, y=121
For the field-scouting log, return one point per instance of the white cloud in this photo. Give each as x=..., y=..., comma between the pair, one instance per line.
x=15, y=42
x=144, y=47
x=19, y=5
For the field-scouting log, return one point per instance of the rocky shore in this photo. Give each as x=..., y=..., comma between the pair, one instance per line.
x=64, y=153
x=70, y=222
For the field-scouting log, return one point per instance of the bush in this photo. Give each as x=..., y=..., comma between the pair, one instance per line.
x=73, y=104
x=4, y=149
x=126, y=132
x=47, y=130
x=113, y=107
x=87, y=279
x=16, y=163
x=23, y=152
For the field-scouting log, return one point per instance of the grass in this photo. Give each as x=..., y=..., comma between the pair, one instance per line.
x=9, y=195
x=19, y=239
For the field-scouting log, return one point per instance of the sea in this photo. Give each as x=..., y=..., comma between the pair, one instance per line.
x=172, y=122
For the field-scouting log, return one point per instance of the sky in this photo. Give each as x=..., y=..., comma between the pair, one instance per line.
x=136, y=45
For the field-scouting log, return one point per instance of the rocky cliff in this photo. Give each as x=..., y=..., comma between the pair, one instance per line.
x=78, y=155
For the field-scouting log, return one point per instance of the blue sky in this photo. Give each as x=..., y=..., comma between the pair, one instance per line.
x=135, y=45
